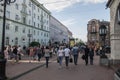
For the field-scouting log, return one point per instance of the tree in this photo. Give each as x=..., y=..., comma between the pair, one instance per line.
x=34, y=44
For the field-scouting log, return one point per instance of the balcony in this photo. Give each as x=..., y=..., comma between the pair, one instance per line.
x=93, y=32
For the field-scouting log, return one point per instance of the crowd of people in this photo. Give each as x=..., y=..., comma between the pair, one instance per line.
x=15, y=53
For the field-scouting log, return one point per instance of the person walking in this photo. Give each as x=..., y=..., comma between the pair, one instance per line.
x=47, y=55
x=31, y=54
x=67, y=54
x=91, y=54
x=39, y=52
x=19, y=52
x=60, y=56
x=15, y=52
x=86, y=54
x=6, y=55
x=75, y=52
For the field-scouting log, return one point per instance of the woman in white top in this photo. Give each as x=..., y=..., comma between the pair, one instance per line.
x=6, y=53
x=60, y=56
x=47, y=55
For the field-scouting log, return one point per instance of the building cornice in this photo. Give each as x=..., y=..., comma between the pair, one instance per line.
x=58, y=21
x=24, y=24
x=109, y=3
x=41, y=6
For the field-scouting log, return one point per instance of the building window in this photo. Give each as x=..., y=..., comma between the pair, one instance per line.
x=29, y=31
x=47, y=34
x=29, y=22
x=34, y=32
x=24, y=20
x=34, y=7
x=34, y=15
x=24, y=1
x=38, y=10
x=41, y=33
x=41, y=40
x=7, y=26
x=16, y=6
x=8, y=14
x=33, y=39
x=23, y=30
x=44, y=34
x=7, y=41
x=47, y=16
x=29, y=12
x=118, y=14
x=93, y=28
x=37, y=40
x=16, y=17
x=38, y=25
x=29, y=4
x=16, y=41
x=16, y=28
x=34, y=24
x=47, y=22
x=44, y=14
x=38, y=17
x=38, y=32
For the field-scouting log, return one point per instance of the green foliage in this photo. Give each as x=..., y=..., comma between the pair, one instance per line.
x=80, y=43
x=34, y=44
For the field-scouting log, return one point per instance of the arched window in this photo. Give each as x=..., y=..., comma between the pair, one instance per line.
x=118, y=14
x=7, y=40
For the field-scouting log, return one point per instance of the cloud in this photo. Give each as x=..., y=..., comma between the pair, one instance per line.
x=59, y=5
x=69, y=22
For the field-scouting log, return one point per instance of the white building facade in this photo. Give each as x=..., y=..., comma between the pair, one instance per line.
x=114, y=6
x=58, y=32
x=26, y=21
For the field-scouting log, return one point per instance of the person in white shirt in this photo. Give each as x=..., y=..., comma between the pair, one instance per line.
x=67, y=55
x=47, y=55
x=60, y=56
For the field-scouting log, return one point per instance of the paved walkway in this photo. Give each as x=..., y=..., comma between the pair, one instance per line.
x=37, y=71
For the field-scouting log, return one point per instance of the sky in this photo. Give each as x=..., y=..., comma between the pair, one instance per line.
x=75, y=14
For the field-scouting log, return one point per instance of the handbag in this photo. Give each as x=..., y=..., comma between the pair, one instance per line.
x=71, y=60
x=83, y=57
x=57, y=60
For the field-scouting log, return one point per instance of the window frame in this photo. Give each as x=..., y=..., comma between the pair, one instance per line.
x=16, y=28
x=7, y=26
x=118, y=14
x=7, y=40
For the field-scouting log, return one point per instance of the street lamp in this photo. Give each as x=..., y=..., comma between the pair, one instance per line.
x=102, y=33
x=2, y=59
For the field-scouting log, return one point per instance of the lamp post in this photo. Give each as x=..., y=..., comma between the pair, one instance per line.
x=2, y=59
x=102, y=33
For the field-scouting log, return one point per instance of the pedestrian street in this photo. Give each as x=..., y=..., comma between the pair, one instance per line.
x=38, y=71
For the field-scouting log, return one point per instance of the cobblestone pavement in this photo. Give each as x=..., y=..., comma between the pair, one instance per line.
x=79, y=72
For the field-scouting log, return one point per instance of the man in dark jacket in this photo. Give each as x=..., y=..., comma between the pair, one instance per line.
x=86, y=54
x=91, y=54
